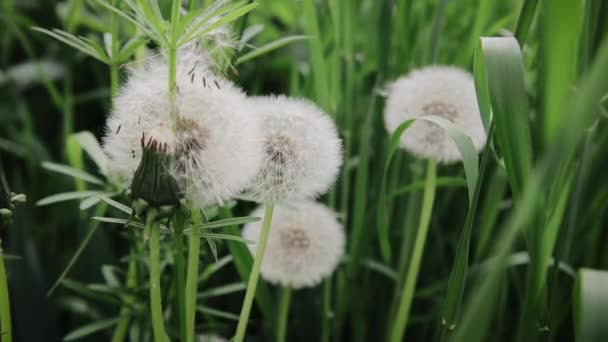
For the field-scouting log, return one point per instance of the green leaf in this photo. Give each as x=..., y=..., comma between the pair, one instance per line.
x=590, y=305
x=89, y=202
x=217, y=313
x=129, y=48
x=561, y=25
x=232, y=16
x=214, y=236
x=72, y=172
x=223, y=290
x=74, y=42
x=499, y=81
x=117, y=205
x=269, y=47
x=91, y=328
x=225, y=222
x=66, y=196
x=91, y=146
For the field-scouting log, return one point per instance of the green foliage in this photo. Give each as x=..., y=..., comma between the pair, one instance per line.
x=519, y=233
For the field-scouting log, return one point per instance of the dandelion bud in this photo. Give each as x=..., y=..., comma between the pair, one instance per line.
x=305, y=244
x=437, y=90
x=152, y=183
x=8, y=200
x=215, y=140
x=302, y=150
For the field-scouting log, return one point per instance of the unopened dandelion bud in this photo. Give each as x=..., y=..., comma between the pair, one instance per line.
x=8, y=200
x=152, y=181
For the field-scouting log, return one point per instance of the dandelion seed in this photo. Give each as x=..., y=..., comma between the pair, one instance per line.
x=303, y=152
x=215, y=144
x=118, y=129
x=217, y=84
x=305, y=245
x=437, y=90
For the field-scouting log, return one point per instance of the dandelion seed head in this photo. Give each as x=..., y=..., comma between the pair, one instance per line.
x=436, y=90
x=216, y=138
x=302, y=150
x=305, y=243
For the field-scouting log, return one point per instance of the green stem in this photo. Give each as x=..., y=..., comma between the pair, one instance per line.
x=325, y=330
x=5, y=306
x=114, y=80
x=194, y=247
x=156, y=307
x=283, y=313
x=407, y=295
x=180, y=274
x=172, y=61
x=255, y=274
x=114, y=75
x=125, y=312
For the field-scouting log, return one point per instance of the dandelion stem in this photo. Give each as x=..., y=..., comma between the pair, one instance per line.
x=283, y=316
x=254, y=275
x=155, y=294
x=172, y=61
x=5, y=306
x=407, y=295
x=114, y=74
x=326, y=309
x=125, y=312
x=194, y=247
x=180, y=276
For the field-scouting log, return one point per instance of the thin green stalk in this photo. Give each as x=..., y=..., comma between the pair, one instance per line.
x=180, y=273
x=125, y=312
x=255, y=274
x=172, y=61
x=114, y=73
x=194, y=251
x=283, y=316
x=5, y=306
x=156, y=306
x=400, y=321
x=325, y=314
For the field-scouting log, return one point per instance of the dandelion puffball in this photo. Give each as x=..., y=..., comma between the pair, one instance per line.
x=436, y=90
x=305, y=243
x=302, y=150
x=216, y=138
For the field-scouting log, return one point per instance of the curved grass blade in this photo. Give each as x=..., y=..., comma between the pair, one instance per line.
x=583, y=112
x=469, y=158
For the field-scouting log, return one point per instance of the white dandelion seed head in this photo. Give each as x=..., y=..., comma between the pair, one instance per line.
x=216, y=141
x=305, y=243
x=302, y=150
x=436, y=90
